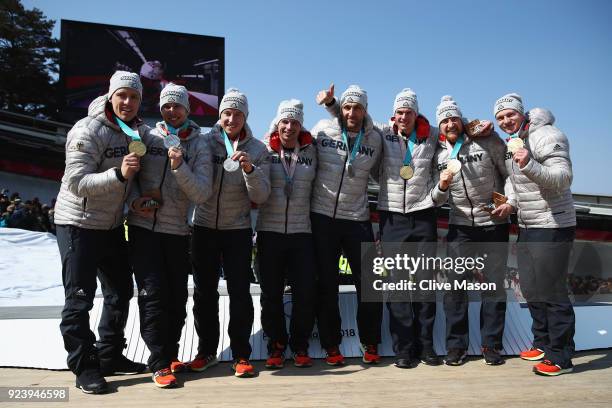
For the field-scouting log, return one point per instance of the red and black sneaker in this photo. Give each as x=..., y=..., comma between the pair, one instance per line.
x=243, y=368
x=533, y=354
x=334, y=357
x=202, y=362
x=276, y=358
x=548, y=368
x=370, y=353
x=302, y=359
x=164, y=378
x=177, y=366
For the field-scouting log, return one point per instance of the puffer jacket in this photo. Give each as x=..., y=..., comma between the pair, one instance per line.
x=229, y=205
x=396, y=194
x=282, y=214
x=418, y=193
x=91, y=195
x=190, y=183
x=483, y=172
x=542, y=187
x=335, y=194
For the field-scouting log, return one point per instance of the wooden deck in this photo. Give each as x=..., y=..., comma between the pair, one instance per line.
x=355, y=385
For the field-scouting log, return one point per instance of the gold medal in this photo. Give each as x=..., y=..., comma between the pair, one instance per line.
x=454, y=166
x=515, y=144
x=138, y=148
x=406, y=172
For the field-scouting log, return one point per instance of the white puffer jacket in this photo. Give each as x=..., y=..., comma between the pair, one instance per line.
x=542, y=187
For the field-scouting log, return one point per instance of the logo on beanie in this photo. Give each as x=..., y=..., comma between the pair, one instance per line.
x=234, y=105
x=500, y=107
x=171, y=99
x=353, y=93
x=233, y=99
x=449, y=114
x=349, y=100
x=172, y=94
x=132, y=81
x=406, y=98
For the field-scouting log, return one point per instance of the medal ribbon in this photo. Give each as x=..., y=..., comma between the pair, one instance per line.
x=518, y=132
x=228, y=145
x=456, y=148
x=290, y=169
x=356, y=146
x=175, y=131
x=128, y=130
x=410, y=149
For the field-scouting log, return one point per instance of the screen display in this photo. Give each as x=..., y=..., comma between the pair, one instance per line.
x=91, y=52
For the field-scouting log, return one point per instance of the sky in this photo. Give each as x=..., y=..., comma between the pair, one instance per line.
x=557, y=54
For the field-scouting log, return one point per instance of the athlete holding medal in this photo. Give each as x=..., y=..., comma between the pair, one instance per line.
x=89, y=218
x=284, y=239
x=477, y=171
x=176, y=173
x=223, y=236
x=540, y=168
x=407, y=214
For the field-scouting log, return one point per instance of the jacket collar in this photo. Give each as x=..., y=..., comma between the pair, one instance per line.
x=273, y=140
x=421, y=124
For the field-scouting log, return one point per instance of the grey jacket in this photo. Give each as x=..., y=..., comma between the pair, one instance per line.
x=190, y=183
x=336, y=194
x=483, y=171
x=289, y=215
x=91, y=195
x=418, y=193
x=542, y=187
x=396, y=194
x=229, y=205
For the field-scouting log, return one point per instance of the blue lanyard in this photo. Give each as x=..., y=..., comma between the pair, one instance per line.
x=175, y=131
x=456, y=148
x=127, y=130
x=518, y=132
x=228, y=145
x=356, y=146
x=411, y=143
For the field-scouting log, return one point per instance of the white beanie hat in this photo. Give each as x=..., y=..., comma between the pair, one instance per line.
x=509, y=101
x=291, y=109
x=354, y=94
x=173, y=93
x=447, y=109
x=234, y=99
x=124, y=79
x=406, y=99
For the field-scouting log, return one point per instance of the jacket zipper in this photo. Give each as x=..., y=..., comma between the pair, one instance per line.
x=518, y=214
x=160, y=187
x=405, y=181
x=219, y=197
x=286, y=215
x=340, y=186
x=468, y=197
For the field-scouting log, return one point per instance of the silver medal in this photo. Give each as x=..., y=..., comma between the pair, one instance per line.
x=349, y=169
x=231, y=165
x=454, y=166
x=171, y=141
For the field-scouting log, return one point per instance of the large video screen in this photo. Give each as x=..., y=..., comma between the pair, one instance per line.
x=90, y=53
